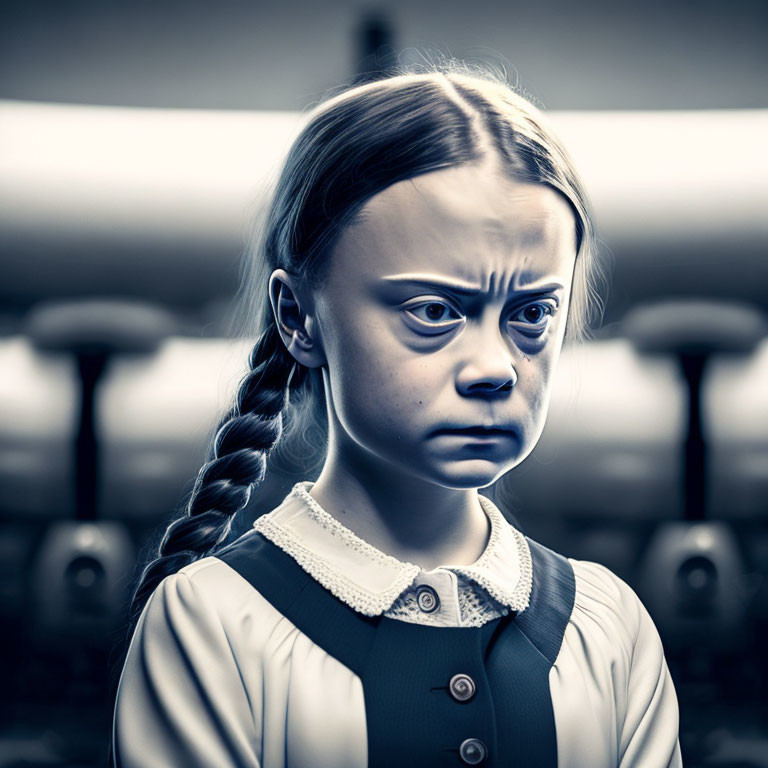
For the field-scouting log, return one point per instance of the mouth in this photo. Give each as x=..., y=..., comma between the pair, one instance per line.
x=476, y=432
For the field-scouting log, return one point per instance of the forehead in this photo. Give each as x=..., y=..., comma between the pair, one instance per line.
x=469, y=222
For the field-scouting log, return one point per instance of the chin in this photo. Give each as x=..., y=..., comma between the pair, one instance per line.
x=465, y=475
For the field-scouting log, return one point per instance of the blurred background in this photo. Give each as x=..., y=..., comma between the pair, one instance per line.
x=137, y=145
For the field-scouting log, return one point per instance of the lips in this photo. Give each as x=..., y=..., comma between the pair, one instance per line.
x=475, y=431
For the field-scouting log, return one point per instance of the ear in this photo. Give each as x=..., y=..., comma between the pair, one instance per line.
x=297, y=327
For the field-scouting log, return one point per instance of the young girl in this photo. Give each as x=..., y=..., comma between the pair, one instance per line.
x=427, y=246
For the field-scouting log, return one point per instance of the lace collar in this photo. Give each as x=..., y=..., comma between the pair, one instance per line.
x=369, y=580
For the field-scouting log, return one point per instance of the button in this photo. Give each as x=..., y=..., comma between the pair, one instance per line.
x=472, y=751
x=462, y=687
x=427, y=599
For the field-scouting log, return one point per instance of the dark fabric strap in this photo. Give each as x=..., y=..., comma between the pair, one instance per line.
x=338, y=629
x=552, y=597
x=405, y=668
x=519, y=664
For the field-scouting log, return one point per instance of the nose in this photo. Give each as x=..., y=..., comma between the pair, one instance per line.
x=488, y=369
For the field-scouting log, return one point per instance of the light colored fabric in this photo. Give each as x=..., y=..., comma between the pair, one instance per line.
x=374, y=583
x=468, y=605
x=614, y=700
x=215, y=676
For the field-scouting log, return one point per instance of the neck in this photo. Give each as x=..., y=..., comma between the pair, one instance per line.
x=404, y=516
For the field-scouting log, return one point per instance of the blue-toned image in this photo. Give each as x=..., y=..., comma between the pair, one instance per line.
x=383, y=385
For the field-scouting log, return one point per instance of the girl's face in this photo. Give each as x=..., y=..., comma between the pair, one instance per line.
x=443, y=315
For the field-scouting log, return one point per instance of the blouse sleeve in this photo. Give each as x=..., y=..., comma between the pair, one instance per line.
x=649, y=732
x=181, y=699
x=624, y=642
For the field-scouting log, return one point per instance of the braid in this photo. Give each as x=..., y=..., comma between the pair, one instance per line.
x=245, y=436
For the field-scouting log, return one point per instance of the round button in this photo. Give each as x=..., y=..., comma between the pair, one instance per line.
x=462, y=687
x=427, y=599
x=472, y=751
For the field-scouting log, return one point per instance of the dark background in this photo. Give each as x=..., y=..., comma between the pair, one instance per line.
x=137, y=141
x=691, y=54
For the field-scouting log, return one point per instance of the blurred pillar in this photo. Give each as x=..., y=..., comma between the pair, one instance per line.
x=374, y=52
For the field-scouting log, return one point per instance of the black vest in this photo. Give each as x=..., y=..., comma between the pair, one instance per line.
x=411, y=715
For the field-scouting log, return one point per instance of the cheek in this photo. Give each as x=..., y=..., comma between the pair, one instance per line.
x=383, y=393
x=367, y=357
x=540, y=391
x=384, y=389
x=362, y=370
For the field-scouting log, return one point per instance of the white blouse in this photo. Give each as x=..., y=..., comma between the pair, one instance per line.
x=216, y=676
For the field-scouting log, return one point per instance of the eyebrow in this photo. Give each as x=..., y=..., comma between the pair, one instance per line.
x=463, y=288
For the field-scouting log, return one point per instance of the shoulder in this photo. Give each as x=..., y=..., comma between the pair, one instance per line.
x=611, y=633
x=209, y=601
x=221, y=578
x=214, y=579
x=582, y=599
x=599, y=589
x=609, y=612
x=589, y=599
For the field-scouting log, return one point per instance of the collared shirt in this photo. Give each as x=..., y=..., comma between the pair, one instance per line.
x=216, y=676
x=374, y=583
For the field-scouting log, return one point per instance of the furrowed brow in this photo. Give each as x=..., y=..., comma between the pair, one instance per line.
x=462, y=288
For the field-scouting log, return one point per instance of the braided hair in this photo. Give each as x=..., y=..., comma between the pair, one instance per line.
x=245, y=436
x=355, y=144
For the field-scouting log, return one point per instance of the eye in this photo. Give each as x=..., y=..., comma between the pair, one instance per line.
x=534, y=317
x=433, y=316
